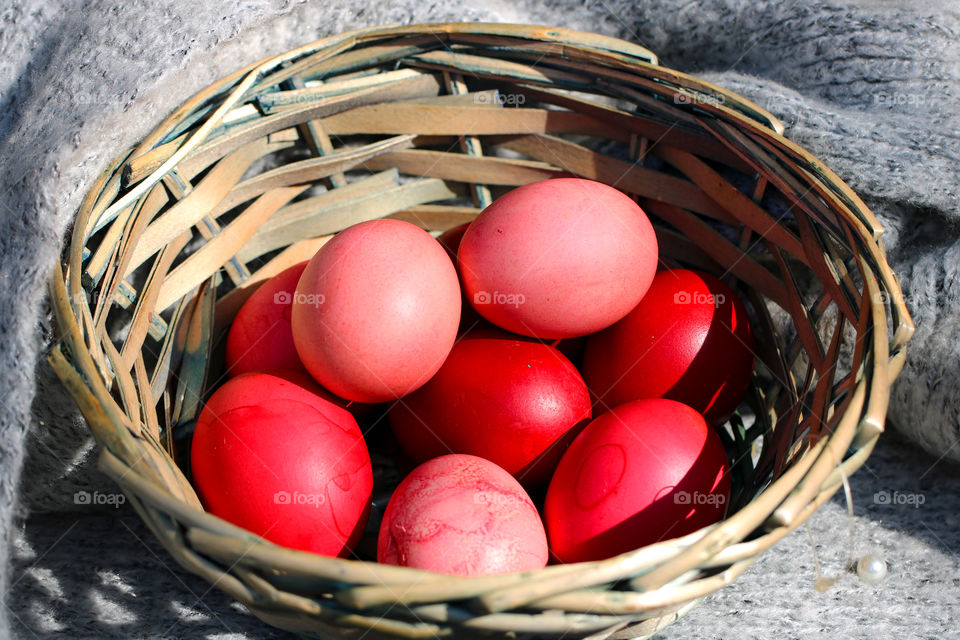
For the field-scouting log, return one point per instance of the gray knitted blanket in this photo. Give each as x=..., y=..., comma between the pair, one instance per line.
x=871, y=88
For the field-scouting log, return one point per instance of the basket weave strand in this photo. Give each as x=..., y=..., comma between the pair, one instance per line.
x=428, y=124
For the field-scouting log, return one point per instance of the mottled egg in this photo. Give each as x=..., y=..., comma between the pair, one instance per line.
x=462, y=515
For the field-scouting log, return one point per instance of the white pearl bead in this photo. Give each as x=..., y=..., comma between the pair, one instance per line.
x=871, y=568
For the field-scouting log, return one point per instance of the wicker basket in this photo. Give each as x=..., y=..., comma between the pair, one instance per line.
x=427, y=124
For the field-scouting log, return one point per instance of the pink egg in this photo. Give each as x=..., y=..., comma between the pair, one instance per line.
x=376, y=311
x=462, y=515
x=260, y=336
x=558, y=258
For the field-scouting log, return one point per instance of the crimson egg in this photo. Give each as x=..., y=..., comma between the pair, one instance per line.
x=688, y=340
x=514, y=401
x=272, y=457
x=646, y=471
x=260, y=336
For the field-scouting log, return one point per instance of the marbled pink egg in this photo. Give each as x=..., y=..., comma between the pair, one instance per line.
x=376, y=311
x=462, y=515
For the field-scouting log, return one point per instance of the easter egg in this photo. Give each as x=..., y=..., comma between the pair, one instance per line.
x=376, y=311
x=558, y=258
x=260, y=336
x=301, y=377
x=450, y=241
x=462, y=515
x=689, y=340
x=646, y=471
x=510, y=400
x=272, y=457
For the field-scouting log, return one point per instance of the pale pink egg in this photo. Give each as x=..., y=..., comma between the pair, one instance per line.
x=376, y=311
x=558, y=258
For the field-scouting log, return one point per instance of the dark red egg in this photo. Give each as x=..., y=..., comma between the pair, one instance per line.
x=688, y=340
x=513, y=401
x=274, y=458
x=648, y=470
x=260, y=336
x=469, y=318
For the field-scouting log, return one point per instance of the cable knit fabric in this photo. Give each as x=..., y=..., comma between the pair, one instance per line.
x=870, y=88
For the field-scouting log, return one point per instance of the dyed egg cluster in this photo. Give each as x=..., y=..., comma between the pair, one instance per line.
x=550, y=394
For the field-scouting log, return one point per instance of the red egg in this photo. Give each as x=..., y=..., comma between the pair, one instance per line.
x=450, y=240
x=376, y=311
x=305, y=380
x=515, y=402
x=462, y=515
x=260, y=336
x=688, y=340
x=558, y=258
x=277, y=460
x=648, y=470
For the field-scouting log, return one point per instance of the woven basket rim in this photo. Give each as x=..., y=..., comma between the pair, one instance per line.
x=828, y=461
